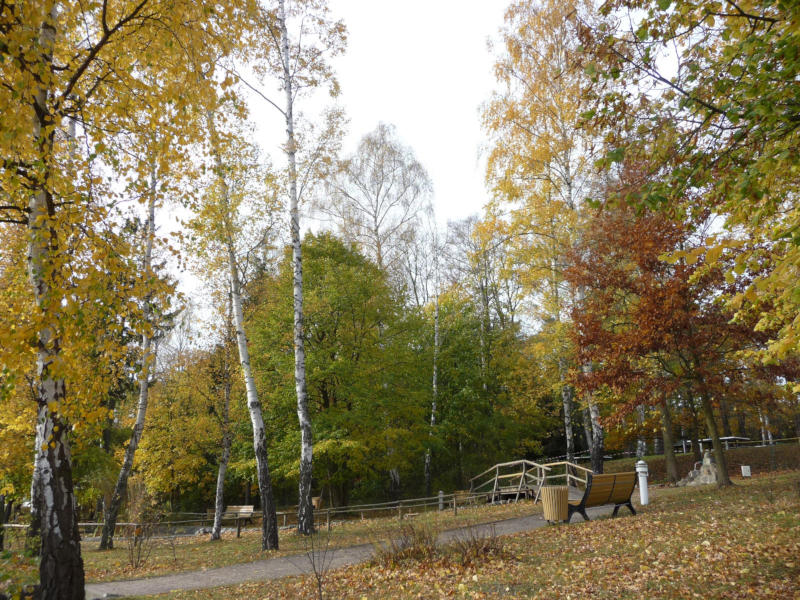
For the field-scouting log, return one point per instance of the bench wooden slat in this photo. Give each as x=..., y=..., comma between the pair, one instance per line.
x=607, y=488
x=601, y=490
x=234, y=512
x=623, y=487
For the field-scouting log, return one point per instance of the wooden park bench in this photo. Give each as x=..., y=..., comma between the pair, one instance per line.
x=242, y=514
x=611, y=488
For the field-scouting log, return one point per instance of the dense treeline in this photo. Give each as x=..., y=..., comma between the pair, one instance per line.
x=632, y=283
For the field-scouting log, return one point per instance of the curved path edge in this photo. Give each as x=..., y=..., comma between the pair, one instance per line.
x=298, y=564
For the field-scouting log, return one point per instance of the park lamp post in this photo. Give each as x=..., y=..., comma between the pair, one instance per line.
x=642, y=471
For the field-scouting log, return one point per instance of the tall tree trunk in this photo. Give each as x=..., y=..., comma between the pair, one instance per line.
x=726, y=423
x=669, y=441
x=145, y=364
x=598, y=445
x=768, y=428
x=641, y=443
x=719, y=454
x=694, y=431
x=566, y=401
x=5, y=515
x=587, y=428
x=219, y=497
x=305, y=510
x=763, y=428
x=434, y=391
x=740, y=417
x=269, y=524
x=61, y=572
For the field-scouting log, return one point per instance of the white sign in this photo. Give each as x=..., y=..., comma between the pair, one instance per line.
x=745, y=470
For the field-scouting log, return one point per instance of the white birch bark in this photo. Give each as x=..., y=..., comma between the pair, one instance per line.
x=305, y=514
x=219, y=497
x=434, y=387
x=145, y=365
x=598, y=445
x=61, y=572
x=641, y=443
x=269, y=524
x=269, y=528
x=566, y=401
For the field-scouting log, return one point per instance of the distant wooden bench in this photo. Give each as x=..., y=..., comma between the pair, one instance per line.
x=242, y=514
x=611, y=488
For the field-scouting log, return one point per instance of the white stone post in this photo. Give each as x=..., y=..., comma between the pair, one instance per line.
x=441, y=500
x=642, y=471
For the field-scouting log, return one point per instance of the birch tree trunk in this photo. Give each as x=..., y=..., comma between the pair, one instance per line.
x=5, y=515
x=641, y=443
x=598, y=445
x=434, y=391
x=305, y=513
x=219, y=497
x=566, y=401
x=587, y=428
x=146, y=363
x=763, y=428
x=61, y=572
x=269, y=524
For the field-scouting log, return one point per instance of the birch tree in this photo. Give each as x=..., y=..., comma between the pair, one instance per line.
x=61, y=62
x=303, y=38
x=435, y=373
x=241, y=192
x=147, y=358
x=378, y=196
x=540, y=166
x=227, y=434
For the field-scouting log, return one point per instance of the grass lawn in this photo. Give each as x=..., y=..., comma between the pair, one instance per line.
x=740, y=542
x=195, y=553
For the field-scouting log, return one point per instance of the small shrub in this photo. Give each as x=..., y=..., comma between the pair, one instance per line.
x=473, y=545
x=144, y=519
x=411, y=542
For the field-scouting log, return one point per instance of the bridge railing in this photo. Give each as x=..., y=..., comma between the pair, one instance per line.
x=567, y=473
x=527, y=476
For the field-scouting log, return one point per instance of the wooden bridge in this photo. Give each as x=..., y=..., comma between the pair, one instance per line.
x=520, y=479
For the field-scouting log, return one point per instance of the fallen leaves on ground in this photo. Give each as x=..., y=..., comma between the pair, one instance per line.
x=740, y=542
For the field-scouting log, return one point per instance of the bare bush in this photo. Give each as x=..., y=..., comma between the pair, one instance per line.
x=411, y=542
x=144, y=519
x=474, y=544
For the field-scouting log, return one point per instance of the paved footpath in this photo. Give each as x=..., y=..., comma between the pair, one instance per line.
x=286, y=566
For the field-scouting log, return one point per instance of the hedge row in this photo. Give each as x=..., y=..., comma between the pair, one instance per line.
x=761, y=459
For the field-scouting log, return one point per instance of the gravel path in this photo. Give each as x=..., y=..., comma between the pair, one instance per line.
x=275, y=568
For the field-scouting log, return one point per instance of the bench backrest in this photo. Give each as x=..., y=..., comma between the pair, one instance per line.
x=623, y=487
x=610, y=488
x=240, y=512
x=233, y=512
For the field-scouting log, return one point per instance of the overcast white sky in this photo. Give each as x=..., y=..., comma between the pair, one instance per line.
x=424, y=66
